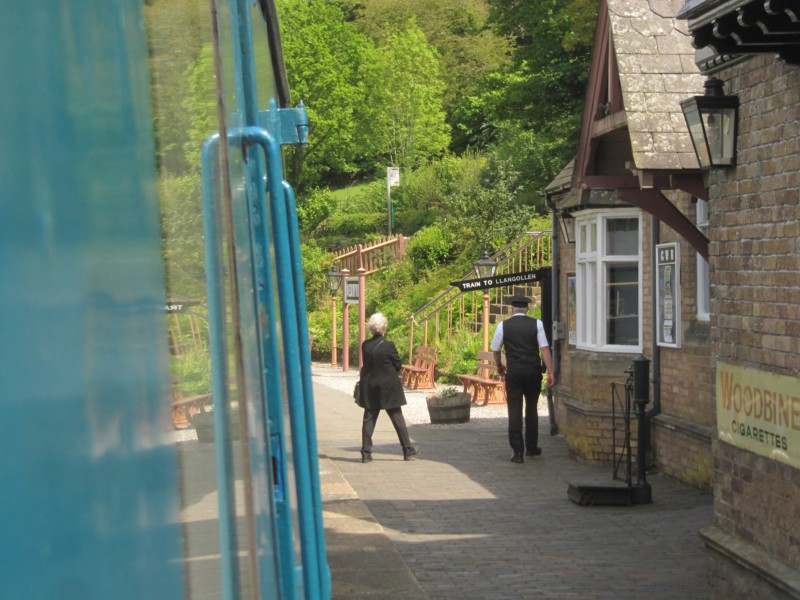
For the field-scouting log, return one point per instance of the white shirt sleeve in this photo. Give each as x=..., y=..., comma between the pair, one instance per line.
x=497, y=339
x=541, y=337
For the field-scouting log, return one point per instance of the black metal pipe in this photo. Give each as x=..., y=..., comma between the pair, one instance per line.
x=655, y=351
x=555, y=278
x=641, y=394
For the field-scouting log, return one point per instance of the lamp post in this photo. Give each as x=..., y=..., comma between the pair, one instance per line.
x=712, y=120
x=345, y=329
x=334, y=283
x=485, y=267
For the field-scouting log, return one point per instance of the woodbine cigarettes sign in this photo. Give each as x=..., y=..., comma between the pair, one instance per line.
x=759, y=411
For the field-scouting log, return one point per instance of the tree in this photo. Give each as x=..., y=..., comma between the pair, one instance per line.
x=406, y=120
x=553, y=41
x=467, y=48
x=325, y=58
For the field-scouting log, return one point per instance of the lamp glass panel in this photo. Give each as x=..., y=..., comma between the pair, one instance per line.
x=568, y=227
x=728, y=135
x=696, y=130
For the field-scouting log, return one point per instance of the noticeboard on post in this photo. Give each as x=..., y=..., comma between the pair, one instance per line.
x=351, y=290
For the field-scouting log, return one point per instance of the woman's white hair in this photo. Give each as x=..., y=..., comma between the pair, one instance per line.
x=377, y=324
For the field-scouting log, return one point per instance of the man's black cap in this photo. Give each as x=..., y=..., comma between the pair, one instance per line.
x=519, y=301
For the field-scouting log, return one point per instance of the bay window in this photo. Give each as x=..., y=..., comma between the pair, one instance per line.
x=608, y=280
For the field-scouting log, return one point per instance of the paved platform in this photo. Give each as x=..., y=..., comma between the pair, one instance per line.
x=464, y=523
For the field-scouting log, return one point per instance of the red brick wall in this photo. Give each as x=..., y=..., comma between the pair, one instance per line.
x=755, y=279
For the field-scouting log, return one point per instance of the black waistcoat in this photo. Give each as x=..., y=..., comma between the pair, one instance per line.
x=521, y=344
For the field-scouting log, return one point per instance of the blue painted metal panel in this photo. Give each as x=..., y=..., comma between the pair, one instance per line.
x=89, y=504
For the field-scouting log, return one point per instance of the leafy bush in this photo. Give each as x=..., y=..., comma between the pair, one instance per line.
x=192, y=370
x=352, y=225
x=430, y=248
x=316, y=263
x=313, y=207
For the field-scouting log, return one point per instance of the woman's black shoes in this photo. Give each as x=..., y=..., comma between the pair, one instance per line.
x=410, y=453
x=365, y=458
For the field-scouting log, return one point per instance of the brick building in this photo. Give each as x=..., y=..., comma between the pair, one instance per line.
x=725, y=411
x=634, y=194
x=753, y=47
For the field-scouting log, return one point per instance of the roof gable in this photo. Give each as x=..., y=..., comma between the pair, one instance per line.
x=642, y=67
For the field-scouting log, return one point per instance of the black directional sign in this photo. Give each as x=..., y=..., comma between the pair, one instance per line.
x=176, y=306
x=470, y=285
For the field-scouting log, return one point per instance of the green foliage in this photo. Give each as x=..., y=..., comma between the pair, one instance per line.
x=458, y=30
x=405, y=120
x=352, y=225
x=325, y=58
x=313, y=207
x=457, y=355
x=550, y=60
x=430, y=248
x=409, y=221
x=487, y=210
x=316, y=263
x=182, y=234
x=192, y=370
x=176, y=31
x=426, y=188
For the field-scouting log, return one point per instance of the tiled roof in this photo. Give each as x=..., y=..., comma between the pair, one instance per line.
x=656, y=66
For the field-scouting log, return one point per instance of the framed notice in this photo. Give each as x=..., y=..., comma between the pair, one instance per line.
x=668, y=306
x=351, y=290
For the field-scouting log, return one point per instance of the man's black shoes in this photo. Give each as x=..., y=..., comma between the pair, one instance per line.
x=365, y=458
x=534, y=452
x=517, y=458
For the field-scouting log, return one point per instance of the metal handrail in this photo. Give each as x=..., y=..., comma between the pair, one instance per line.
x=528, y=251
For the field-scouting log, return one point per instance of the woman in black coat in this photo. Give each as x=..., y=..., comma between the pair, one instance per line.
x=381, y=388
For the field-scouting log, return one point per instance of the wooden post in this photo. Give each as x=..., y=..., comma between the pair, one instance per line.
x=345, y=329
x=362, y=304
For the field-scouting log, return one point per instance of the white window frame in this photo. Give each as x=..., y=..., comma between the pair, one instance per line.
x=591, y=274
x=703, y=293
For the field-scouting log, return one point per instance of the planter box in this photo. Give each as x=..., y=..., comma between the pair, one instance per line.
x=204, y=426
x=449, y=409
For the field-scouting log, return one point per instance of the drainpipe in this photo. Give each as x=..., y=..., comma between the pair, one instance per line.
x=554, y=344
x=655, y=351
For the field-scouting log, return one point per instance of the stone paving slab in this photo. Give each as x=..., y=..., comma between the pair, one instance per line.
x=465, y=523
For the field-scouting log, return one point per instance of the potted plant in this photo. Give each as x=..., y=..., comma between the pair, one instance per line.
x=451, y=405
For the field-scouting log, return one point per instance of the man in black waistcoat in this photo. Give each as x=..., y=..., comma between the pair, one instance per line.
x=522, y=338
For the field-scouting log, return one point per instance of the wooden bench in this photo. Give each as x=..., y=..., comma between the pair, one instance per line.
x=485, y=383
x=183, y=409
x=420, y=374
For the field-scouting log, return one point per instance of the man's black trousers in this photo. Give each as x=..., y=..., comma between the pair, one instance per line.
x=525, y=384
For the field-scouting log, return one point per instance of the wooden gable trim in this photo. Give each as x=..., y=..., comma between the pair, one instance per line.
x=595, y=90
x=658, y=205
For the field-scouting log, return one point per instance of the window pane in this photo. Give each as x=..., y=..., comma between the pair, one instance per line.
x=622, y=236
x=582, y=238
x=623, y=305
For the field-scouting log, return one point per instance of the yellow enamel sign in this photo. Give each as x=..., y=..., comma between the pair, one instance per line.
x=759, y=411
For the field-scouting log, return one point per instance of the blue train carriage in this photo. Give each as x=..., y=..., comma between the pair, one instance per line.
x=103, y=496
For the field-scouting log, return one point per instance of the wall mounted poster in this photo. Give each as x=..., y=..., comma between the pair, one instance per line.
x=669, y=294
